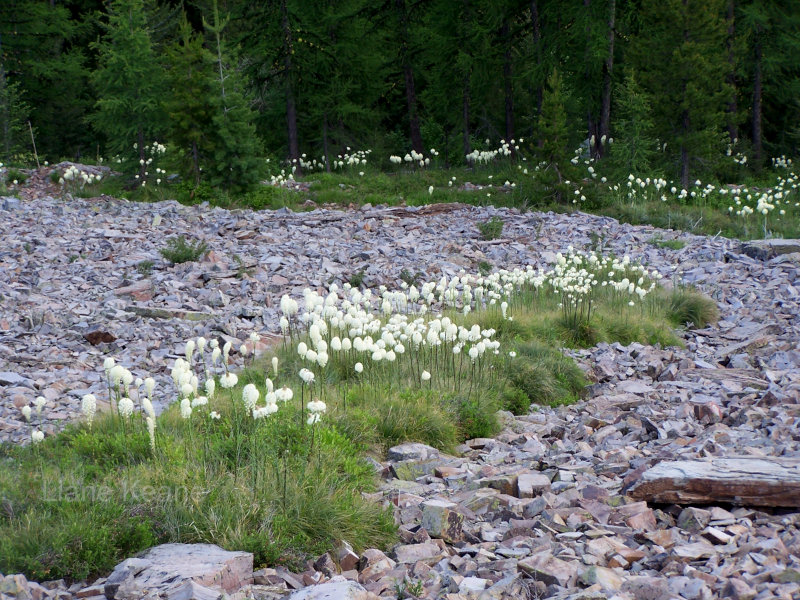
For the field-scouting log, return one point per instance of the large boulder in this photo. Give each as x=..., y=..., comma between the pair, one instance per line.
x=180, y=571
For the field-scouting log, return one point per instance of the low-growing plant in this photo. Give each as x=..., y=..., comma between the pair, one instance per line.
x=484, y=267
x=491, y=229
x=410, y=278
x=545, y=375
x=357, y=279
x=671, y=244
x=178, y=250
x=15, y=176
x=687, y=306
x=145, y=267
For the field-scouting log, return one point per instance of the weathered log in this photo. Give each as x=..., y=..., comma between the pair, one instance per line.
x=744, y=481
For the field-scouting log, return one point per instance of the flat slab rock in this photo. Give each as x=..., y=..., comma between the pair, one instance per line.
x=165, y=571
x=765, y=249
x=738, y=480
x=336, y=589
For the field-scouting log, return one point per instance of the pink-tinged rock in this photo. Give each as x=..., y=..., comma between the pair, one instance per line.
x=532, y=484
x=545, y=567
x=429, y=553
x=166, y=567
x=337, y=588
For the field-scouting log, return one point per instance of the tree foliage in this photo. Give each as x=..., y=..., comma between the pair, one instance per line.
x=315, y=77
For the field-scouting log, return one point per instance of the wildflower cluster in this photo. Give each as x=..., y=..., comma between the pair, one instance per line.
x=576, y=276
x=36, y=434
x=482, y=157
x=414, y=158
x=73, y=180
x=153, y=152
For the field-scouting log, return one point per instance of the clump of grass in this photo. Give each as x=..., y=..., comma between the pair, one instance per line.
x=15, y=176
x=491, y=229
x=688, y=306
x=178, y=250
x=658, y=242
x=381, y=418
x=544, y=376
x=286, y=484
x=77, y=504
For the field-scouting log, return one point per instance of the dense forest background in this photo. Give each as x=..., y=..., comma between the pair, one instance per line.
x=225, y=84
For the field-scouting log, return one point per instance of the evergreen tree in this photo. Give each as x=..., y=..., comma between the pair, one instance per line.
x=129, y=84
x=553, y=123
x=235, y=152
x=679, y=57
x=635, y=145
x=43, y=52
x=770, y=69
x=14, y=111
x=191, y=85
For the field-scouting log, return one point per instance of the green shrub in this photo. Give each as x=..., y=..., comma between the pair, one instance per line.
x=516, y=401
x=13, y=175
x=476, y=415
x=178, y=250
x=491, y=229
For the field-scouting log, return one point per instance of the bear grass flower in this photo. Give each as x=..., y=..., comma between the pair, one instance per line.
x=147, y=405
x=37, y=436
x=306, y=375
x=151, y=431
x=228, y=380
x=186, y=409
x=89, y=407
x=26, y=412
x=284, y=394
x=250, y=396
x=125, y=407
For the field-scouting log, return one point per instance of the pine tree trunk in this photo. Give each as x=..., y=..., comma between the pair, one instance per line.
x=733, y=129
x=685, y=152
x=757, y=109
x=608, y=71
x=140, y=148
x=507, y=84
x=465, y=115
x=325, y=142
x=195, y=163
x=408, y=75
x=537, y=44
x=291, y=107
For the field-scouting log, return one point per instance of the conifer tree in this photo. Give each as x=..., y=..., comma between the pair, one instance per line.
x=129, y=83
x=14, y=113
x=553, y=123
x=634, y=147
x=235, y=152
x=679, y=57
x=43, y=50
x=191, y=85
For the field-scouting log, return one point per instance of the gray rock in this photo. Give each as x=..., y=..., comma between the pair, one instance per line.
x=336, y=589
x=412, y=451
x=164, y=568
